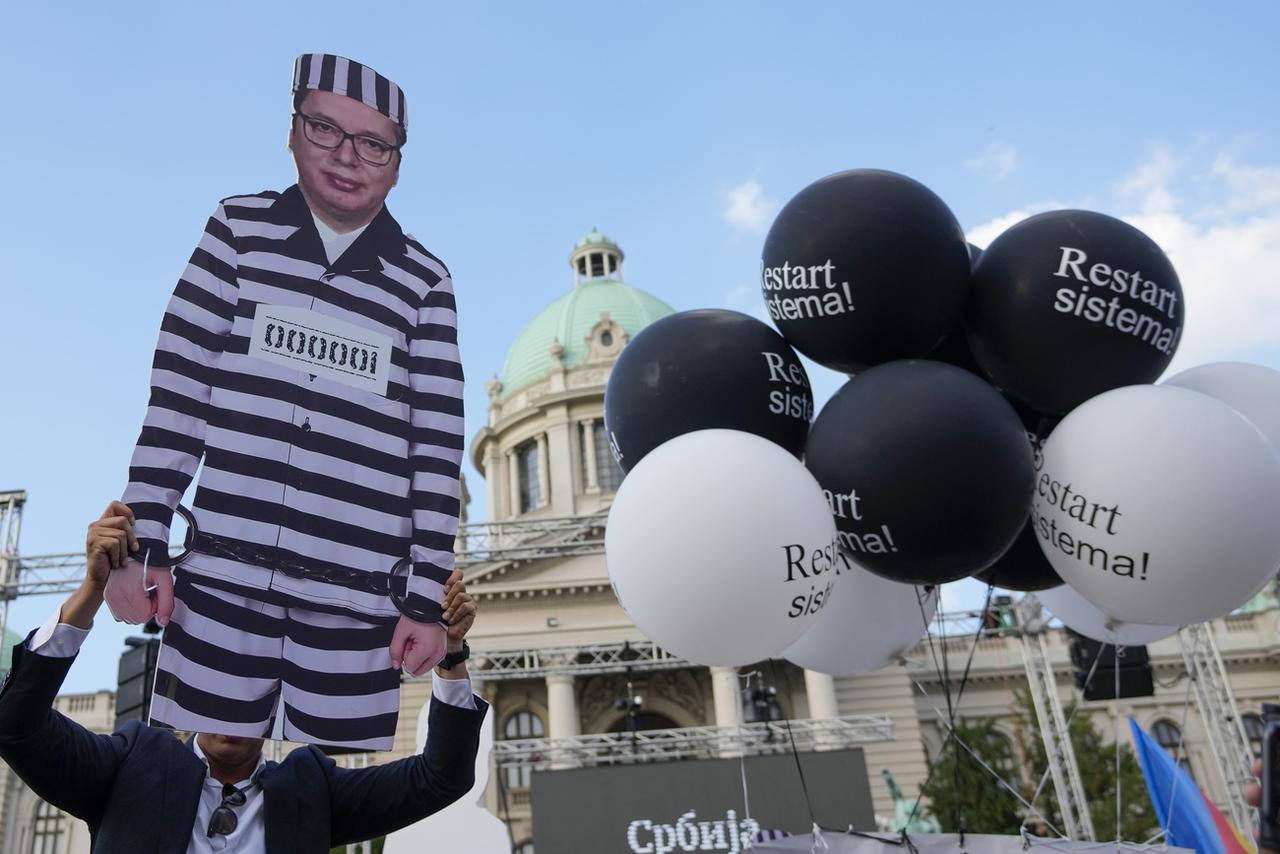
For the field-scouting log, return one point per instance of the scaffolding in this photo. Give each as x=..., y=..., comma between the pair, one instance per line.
x=485, y=543
x=587, y=659
x=702, y=742
x=1216, y=703
x=1059, y=753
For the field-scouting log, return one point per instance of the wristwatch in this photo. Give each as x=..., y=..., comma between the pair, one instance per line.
x=453, y=659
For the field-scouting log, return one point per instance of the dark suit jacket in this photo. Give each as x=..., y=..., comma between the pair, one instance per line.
x=138, y=788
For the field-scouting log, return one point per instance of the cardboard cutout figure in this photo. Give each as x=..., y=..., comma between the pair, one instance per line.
x=309, y=357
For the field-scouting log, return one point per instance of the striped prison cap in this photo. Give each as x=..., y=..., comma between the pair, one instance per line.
x=327, y=72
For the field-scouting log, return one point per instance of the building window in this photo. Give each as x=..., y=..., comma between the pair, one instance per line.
x=1253, y=730
x=1169, y=736
x=527, y=463
x=523, y=724
x=608, y=472
x=525, y=847
x=47, y=829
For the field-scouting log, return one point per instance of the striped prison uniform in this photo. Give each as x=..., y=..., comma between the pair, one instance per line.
x=306, y=467
x=231, y=664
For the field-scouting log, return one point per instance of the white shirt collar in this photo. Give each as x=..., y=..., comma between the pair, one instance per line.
x=208, y=779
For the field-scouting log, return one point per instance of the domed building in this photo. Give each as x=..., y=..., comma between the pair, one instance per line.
x=543, y=451
x=576, y=690
x=569, y=677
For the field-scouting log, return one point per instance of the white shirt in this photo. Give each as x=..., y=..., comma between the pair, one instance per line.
x=249, y=836
x=334, y=243
x=62, y=640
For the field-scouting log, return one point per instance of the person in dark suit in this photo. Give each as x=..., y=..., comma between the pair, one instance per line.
x=141, y=789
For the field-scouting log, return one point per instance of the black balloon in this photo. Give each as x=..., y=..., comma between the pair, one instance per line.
x=704, y=369
x=1068, y=304
x=954, y=350
x=926, y=468
x=864, y=267
x=1023, y=567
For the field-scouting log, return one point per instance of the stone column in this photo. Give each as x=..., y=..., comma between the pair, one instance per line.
x=728, y=700
x=561, y=706
x=589, y=453
x=821, y=688
x=544, y=472
x=492, y=480
x=513, y=483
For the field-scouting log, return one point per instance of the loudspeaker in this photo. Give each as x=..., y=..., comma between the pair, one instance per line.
x=134, y=678
x=1135, y=669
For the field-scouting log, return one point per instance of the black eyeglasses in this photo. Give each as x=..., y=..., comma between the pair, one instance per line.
x=326, y=134
x=224, y=819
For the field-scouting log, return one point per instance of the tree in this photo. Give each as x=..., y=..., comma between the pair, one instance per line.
x=959, y=789
x=1096, y=758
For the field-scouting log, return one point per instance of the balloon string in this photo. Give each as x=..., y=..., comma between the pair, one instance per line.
x=742, y=748
x=1177, y=754
x=795, y=753
x=973, y=648
x=921, y=595
x=1115, y=736
x=964, y=679
x=952, y=735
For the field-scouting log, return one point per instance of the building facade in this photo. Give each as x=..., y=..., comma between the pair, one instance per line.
x=571, y=680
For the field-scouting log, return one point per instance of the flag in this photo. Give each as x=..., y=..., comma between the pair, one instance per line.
x=1191, y=819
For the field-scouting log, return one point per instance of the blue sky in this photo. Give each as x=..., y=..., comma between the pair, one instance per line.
x=676, y=128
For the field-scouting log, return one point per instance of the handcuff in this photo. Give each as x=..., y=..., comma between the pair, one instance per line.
x=393, y=584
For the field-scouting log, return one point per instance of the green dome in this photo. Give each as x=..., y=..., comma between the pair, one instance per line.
x=570, y=320
x=10, y=640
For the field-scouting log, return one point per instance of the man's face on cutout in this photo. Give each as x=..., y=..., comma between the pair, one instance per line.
x=341, y=188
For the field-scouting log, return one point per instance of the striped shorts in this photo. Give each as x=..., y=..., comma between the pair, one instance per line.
x=230, y=663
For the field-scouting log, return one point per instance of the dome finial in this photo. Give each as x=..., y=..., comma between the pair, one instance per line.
x=596, y=257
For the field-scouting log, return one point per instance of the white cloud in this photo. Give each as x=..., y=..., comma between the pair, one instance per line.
x=982, y=235
x=1251, y=188
x=1149, y=182
x=997, y=162
x=1225, y=248
x=747, y=207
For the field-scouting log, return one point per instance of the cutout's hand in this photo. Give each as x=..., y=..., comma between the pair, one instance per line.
x=126, y=594
x=134, y=600
x=417, y=646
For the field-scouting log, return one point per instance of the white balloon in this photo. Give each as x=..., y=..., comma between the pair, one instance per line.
x=1078, y=613
x=1158, y=504
x=1251, y=390
x=721, y=547
x=869, y=623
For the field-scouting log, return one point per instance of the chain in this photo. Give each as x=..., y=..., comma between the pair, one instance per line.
x=393, y=584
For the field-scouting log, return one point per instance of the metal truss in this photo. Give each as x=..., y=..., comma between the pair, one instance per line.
x=486, y=542
x=533, y=539
x=703, y=742
x=1228, y=742
x=586, y=659
x=1059, y=752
